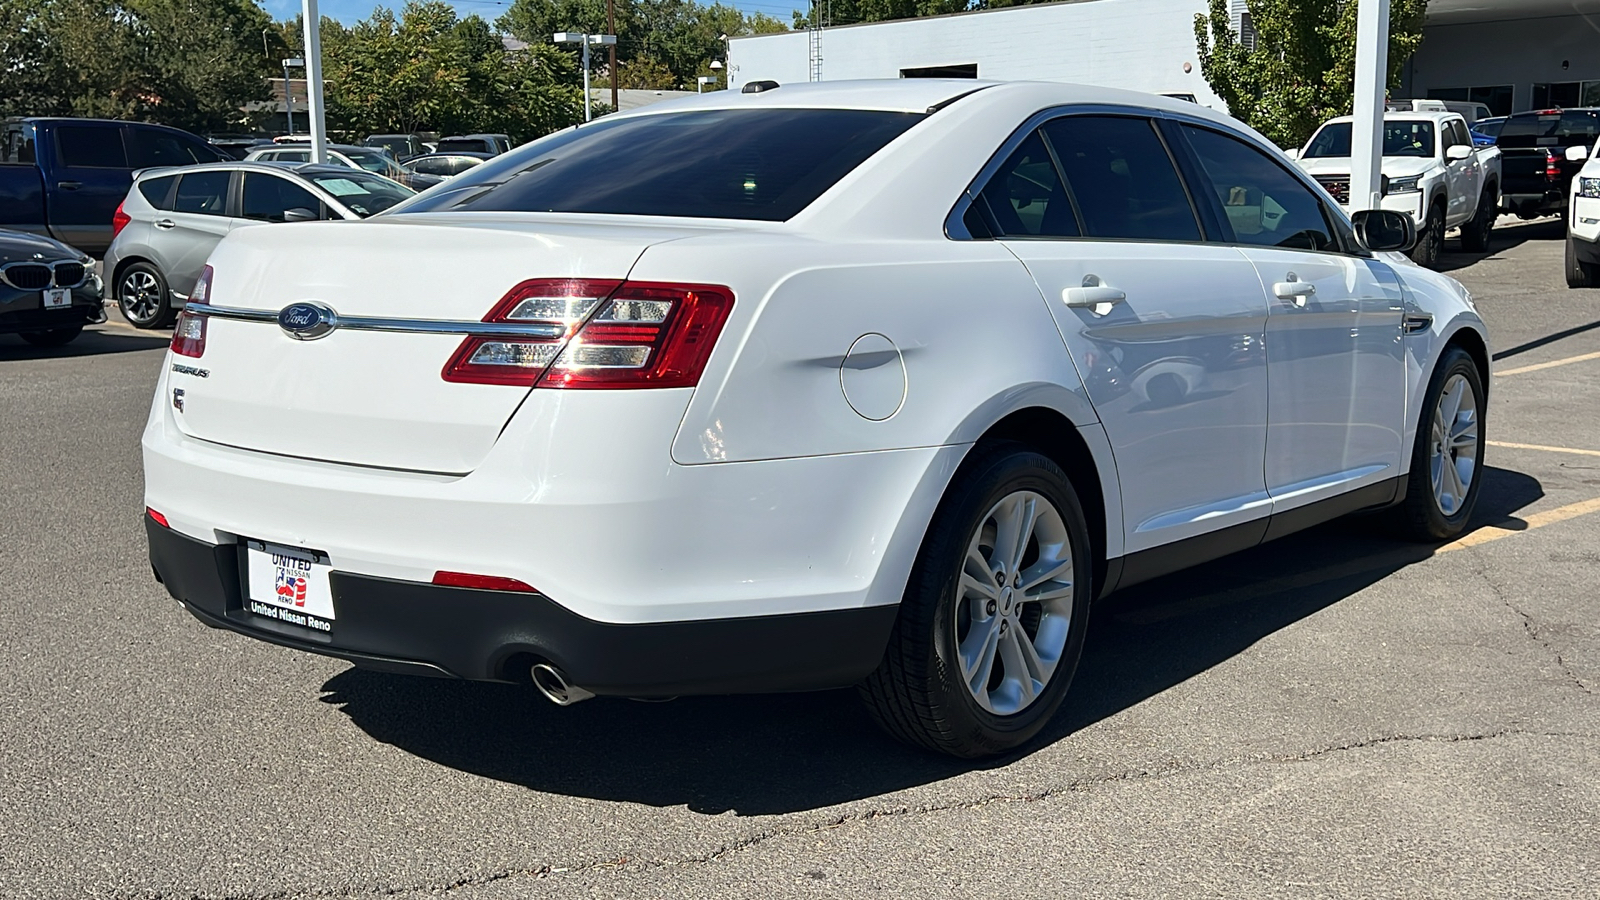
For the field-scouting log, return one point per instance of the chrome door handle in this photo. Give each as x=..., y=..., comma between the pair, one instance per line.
x=1097, y=297
x=165, y=223
x=1294, y=289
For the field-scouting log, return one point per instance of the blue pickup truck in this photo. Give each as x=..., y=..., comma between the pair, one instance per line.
x=63, y=178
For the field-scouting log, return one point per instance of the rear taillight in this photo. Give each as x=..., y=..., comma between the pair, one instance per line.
x=1552, y=166
x=189, y=333
x=119, y=221
x=615, y=335
x=158, y=517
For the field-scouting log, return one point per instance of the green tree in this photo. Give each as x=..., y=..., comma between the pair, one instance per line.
x=849, y=12
x=189, y=63
x=1301, y=71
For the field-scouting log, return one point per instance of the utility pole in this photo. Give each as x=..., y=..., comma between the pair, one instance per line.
x=611, y=28
x=1372, y=81
x=313, y=55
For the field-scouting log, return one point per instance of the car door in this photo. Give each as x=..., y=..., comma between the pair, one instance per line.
x=198, y=220
x=1461, y=174
x=89, y=178
x=265, y=197
x=1164, y=328
x=1335, y=357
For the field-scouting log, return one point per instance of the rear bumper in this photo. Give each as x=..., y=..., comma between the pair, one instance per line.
x=1534, y=204
x=416, y=628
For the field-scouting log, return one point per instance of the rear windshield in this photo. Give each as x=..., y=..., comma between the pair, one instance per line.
x=1399, y=139
x=1567, y=128
x=363, y=194
x=765, y=164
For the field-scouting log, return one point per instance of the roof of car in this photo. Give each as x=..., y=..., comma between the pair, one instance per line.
x=253, y=165
x=475, y=154
x=298, y=145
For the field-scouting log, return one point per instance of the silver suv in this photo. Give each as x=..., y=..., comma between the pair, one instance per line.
x=171, y=218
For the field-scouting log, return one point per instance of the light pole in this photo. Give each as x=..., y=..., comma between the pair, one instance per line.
x=701, y=82
x=315, y=108
x=587, y=40
x=288, y=92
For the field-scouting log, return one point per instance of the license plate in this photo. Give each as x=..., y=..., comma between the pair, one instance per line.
x=289, y=585
x=56, y=298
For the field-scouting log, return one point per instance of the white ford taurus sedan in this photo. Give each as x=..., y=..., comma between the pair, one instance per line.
x=874, y=383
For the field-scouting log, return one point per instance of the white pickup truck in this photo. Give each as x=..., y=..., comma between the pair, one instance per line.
x=1430, y=169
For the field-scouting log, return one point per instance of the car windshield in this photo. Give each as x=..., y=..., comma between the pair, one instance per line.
x=1399, y=139
x=363, y=194
x=763, y=164
x=1564, y=128
x=374, y=161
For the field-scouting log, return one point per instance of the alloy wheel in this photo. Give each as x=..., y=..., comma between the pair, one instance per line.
x=1453, y=451
x=1014, y=604
x=140, y=295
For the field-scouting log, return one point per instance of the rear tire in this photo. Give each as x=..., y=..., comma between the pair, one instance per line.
x=1431, y=240
x=55, y=337
x=1580, y=274
x=1447, y=458
x=1475, y=233
x=989, y=633
x=144, y=298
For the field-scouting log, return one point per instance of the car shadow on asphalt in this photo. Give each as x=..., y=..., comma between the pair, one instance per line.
x=1501, y=239
x=763, y=755
x=90, y=343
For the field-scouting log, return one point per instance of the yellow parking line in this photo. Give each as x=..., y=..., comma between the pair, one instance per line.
x=1549, y=365
x=1512, y=446
x=1537, y=520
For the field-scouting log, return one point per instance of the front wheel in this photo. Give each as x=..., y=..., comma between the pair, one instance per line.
x=1580, y=274
x=991, y=625
x=1475, y=234
x=1431, y=241
x=1446, y=460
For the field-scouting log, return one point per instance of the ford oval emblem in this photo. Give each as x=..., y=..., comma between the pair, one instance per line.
x=307, y=321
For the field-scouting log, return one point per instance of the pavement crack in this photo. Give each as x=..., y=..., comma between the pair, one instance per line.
x=1530, y=626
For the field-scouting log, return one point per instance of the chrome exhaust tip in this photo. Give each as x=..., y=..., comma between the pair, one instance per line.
x=555, y=687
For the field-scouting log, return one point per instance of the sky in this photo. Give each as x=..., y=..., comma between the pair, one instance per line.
x=349, y=11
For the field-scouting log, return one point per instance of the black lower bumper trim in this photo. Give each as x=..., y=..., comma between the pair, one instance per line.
x=407, y=626
x=1586, y=251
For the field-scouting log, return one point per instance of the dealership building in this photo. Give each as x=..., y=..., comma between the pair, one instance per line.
x=1511, y=55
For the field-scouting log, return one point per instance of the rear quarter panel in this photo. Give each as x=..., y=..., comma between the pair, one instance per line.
x=974, y=338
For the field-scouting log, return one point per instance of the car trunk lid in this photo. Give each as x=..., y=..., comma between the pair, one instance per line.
x=377, y=398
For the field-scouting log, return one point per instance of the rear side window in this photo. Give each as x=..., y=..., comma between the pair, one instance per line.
x=1026, y=197
x=91, y=147
x=1264, y=204
x=764, y=164
x=266, y=197
x=1123, y=179
x=203, y=192
x=148, y=147
x=16, y=145
x=157, y=190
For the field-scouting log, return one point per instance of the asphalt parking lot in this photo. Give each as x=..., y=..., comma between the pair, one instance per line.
x=1332, y=715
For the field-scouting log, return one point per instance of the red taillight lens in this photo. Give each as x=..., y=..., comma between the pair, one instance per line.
x=481, y=582
x=189, y=332
x=160, y=519
x=627, y=335
x=1552, y=166
x=119, y=221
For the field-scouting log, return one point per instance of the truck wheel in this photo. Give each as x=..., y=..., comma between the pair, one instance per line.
x=1580, y=274
x=143, y=297
x=1447, y=458
x=1431, y=240
x=992, y=622
x=1475, y=233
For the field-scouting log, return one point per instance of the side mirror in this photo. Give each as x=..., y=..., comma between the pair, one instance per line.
x=1457, y=152
x=1292, y=153
x=1577, y=154
x=1381, y=230
x=300, y=214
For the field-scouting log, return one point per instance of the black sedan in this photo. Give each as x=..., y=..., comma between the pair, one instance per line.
x=48, y=291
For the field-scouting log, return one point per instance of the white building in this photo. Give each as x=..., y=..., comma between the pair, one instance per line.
x=1510, y=54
